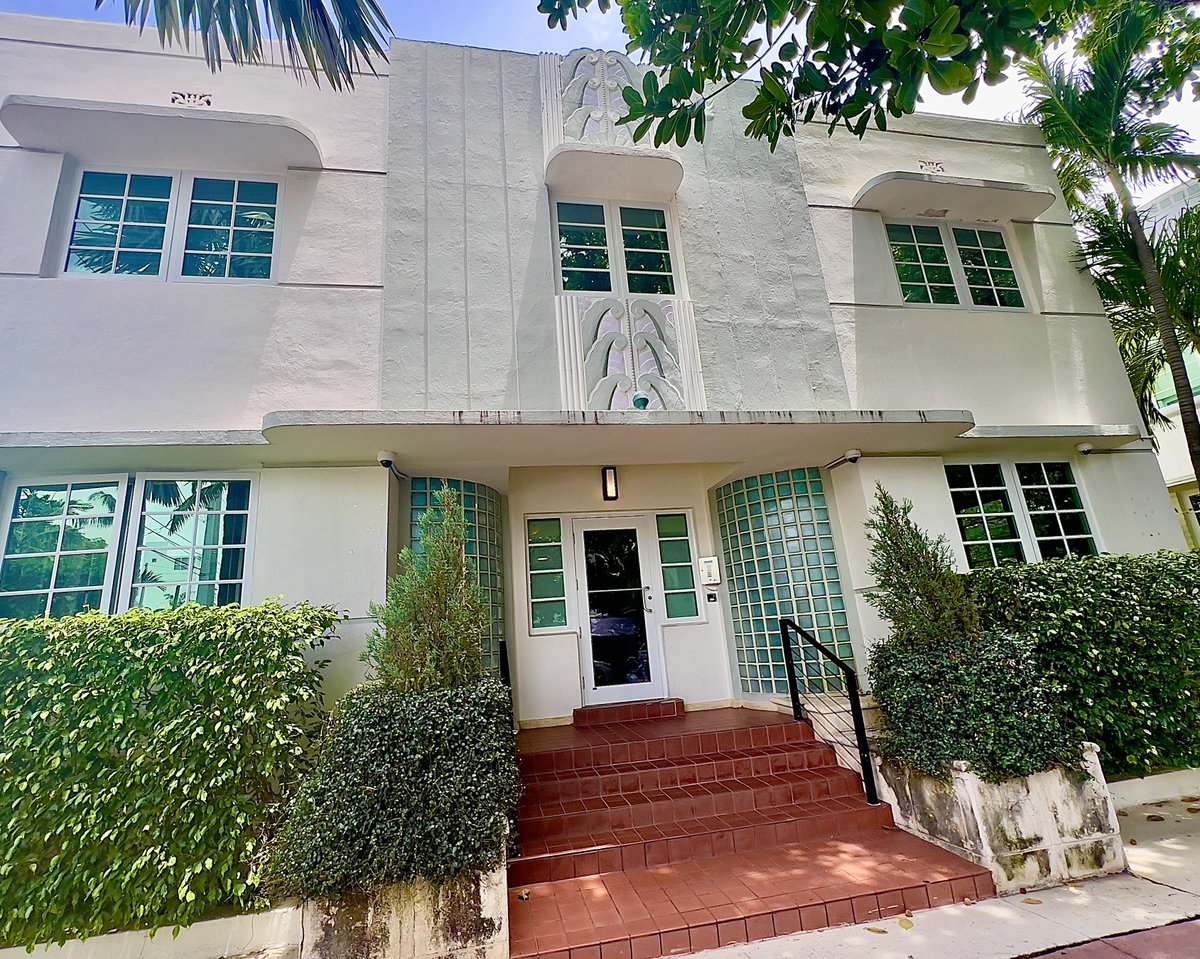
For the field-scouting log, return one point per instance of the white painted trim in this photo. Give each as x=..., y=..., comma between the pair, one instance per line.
x=14, y=482
x=701, y=618
x=133, y=529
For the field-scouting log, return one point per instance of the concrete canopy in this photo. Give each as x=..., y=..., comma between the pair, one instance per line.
x=630, y=173
x=195, y=138
x=904, y=194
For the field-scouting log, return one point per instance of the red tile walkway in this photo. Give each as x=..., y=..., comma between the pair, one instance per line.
x=1178, y=941
x=675, y=833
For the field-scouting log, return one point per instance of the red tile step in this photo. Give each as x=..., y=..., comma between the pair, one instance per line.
x=627, y=712
x=674, y=909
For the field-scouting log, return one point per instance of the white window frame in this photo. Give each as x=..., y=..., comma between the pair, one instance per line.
x=618, y=278
x=954, y=261
x=178, y=207
x=701, y=604
x=1016, y=496
x=134, y=526
x=122, y=480
x=567, y=544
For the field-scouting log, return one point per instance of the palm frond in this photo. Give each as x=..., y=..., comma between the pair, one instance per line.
x=334, y=39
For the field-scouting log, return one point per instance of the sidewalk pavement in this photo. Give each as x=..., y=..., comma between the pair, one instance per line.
x=1163, y=845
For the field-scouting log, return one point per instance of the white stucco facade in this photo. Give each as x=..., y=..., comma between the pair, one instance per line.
x=472, y=267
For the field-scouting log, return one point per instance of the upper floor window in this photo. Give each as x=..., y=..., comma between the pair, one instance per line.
x=609, y=248
x=134, y=224
x=1013, y=512
x=938, y=264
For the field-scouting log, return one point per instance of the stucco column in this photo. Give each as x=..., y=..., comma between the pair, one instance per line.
x=922, y=480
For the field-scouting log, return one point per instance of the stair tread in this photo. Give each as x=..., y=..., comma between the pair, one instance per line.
x=695, y=759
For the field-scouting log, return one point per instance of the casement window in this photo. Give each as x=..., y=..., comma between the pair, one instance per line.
x=187, y=539
x=675, y=555
x=60, y=547
x=547, y=580
x=174, y=226
x=939, y=264
x=1019, y=512
x=611, y=248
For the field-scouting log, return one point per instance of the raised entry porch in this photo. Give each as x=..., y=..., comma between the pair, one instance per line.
x=649, y=831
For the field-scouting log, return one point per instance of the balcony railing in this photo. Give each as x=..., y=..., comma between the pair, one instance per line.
x=613, y=348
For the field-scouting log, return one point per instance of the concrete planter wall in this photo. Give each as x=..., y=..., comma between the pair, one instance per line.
x=466, y=920
x=1039, y=830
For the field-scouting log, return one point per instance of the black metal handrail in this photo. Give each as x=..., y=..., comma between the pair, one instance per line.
x=787, y=626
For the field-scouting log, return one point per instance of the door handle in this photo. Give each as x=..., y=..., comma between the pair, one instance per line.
x=647, y=600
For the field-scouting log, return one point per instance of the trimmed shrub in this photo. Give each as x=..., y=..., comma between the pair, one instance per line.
x=1120, y=636
x=143, y=759
x=408, y=786
x=947, y=690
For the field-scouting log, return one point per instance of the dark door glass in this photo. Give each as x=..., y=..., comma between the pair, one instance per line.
x=617, y=619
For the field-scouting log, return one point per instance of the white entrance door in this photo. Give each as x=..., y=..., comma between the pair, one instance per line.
x=620, y=640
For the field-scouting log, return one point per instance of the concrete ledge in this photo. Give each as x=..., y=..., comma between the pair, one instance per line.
x=1157, y=788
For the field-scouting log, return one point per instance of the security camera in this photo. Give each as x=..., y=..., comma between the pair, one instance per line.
x=853, y=456
x=387, y=459
x=1085, y=449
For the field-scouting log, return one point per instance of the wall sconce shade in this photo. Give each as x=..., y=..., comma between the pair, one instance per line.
x=608, y=483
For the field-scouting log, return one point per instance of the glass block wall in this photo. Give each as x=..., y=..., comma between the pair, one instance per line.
x=484, y=544
x=779, y=561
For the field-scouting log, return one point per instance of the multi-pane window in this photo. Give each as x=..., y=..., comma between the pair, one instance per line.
x=231, y=229
x=609, y=248
x=1056, y=513
x=58, y=550
x=675, y=553
x=987, y=267
x=547, y=583
x=937, y=264
x=986, y=520
x=1018, y=512
x=120, y=224
x=191, y=542
x=922, y=266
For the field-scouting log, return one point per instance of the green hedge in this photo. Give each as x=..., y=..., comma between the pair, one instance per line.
x=409, y=785
x=1121, y=636
x=142, y=759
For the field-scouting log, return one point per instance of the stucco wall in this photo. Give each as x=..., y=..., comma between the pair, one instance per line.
x=546, y=667
x=322, y=535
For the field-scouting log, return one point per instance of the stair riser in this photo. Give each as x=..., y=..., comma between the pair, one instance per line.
x=668, y=747
x=576, y=864
x=538, y=826
x=614, y=782
x=627, y=713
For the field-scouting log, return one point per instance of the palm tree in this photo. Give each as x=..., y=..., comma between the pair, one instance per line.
x=333, y=38
x=1109, y=251
x=1097, y=117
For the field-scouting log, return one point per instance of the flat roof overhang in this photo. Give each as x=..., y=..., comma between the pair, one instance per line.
x=484, y=446
x=194, y=138
x=906, y=194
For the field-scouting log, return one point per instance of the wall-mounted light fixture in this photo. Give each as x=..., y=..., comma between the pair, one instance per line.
x=608, y=483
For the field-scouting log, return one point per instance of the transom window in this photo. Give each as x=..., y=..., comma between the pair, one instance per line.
x=186, y=541
x=937, y=264
x=608, y=248
x=132, y=224
x=1018, y=512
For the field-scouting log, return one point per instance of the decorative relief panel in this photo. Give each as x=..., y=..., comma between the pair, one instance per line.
x=613, y=348
x=591, y=83
x=183, y=98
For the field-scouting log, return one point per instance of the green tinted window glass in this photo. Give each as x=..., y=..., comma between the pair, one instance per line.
x=674, y=550
x=1056, y=511
x=681, y=605
x=547, y=580
x=549, y=615
x=213, y=249
x=988, y=268
x=919, y=256
x=108, y=235
x=545, y=531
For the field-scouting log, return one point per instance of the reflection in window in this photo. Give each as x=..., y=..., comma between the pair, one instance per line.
x=988, y=268
x=547, y=584
x=647, y=255
x=231, y=229
x=675, y=554
x=120, y=224
x=986, y=520
x=1056, y=512
x=583, y=247
x=191, y=543
x=921, y=264
x=56, y=554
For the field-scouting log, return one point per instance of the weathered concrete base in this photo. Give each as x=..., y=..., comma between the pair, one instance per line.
x=1037, y=831
x=467, y=919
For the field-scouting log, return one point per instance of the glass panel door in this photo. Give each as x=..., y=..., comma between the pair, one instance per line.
x=620, y=641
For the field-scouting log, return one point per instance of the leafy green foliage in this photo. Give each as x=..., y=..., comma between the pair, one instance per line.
x=1120, y=636
x=143, y=760
x=435, y=618
x=946, y=690
x=917, y=591
x=853, y=62
x=409, y=786
x=330, y=38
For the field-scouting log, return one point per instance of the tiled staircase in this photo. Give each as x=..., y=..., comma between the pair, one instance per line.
x=646, y=831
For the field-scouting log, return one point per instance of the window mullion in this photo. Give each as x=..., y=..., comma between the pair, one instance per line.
x=956, y=267
x=1021, y=510
x=616, y=246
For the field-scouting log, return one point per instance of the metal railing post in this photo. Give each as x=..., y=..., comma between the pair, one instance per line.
x=852, y=690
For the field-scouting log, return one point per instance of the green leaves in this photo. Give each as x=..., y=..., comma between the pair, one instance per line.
x=408, y=786
x=116, y=813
